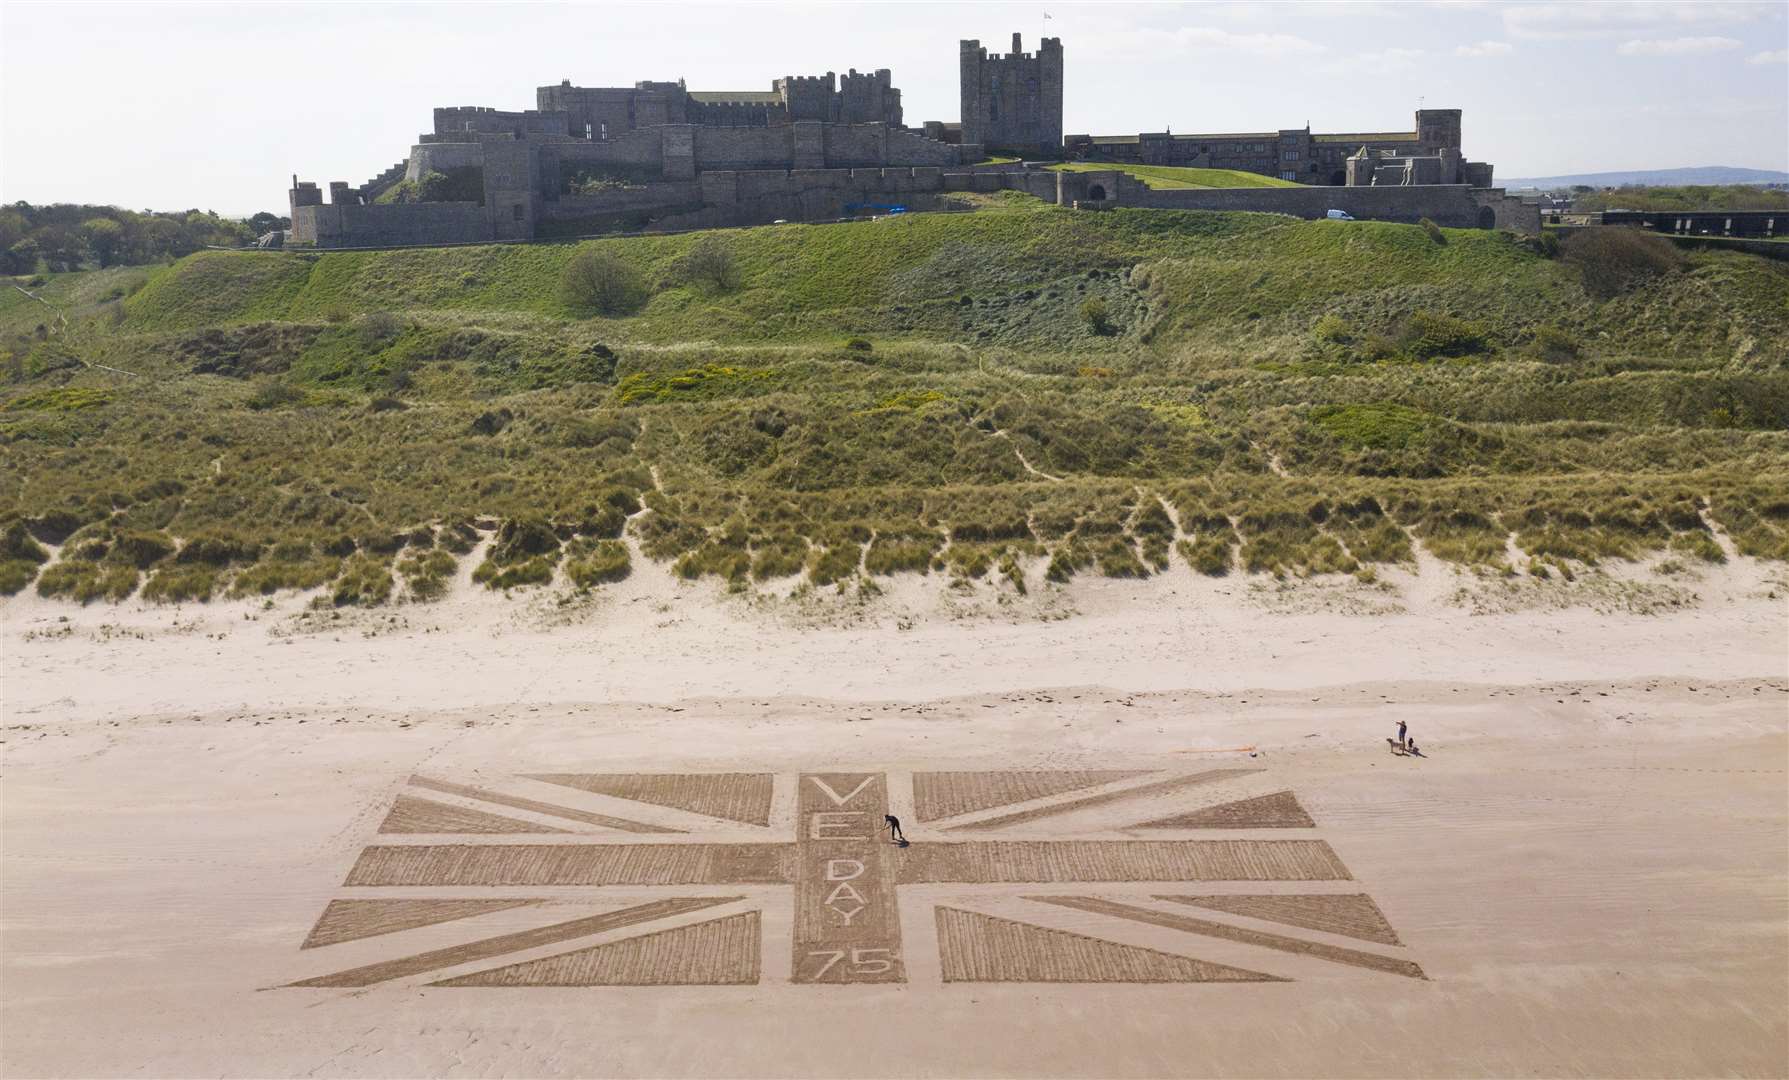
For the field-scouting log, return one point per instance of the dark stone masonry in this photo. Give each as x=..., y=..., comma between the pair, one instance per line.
x=814, y=147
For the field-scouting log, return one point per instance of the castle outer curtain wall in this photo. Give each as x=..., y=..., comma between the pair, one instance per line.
x=394, y=225
x=728, y=197
x=1453, y=205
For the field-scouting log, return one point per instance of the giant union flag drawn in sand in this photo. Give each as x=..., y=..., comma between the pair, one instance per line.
x=611, y=879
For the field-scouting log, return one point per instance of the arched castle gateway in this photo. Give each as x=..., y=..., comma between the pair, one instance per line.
x=812, y=147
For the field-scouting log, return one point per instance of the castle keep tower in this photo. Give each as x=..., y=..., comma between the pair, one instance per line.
x=1438, y=129
x=1013, y=102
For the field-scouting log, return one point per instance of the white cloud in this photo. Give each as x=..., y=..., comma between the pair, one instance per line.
x=1250, y=12
x=1683, y=46
x=1781, y=56
x=1485, y=48
x=1196, y=38
x=1385, y=60
x=1136, y=41
x=1581, y=20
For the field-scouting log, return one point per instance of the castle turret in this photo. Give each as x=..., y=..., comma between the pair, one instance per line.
x=1012, y=102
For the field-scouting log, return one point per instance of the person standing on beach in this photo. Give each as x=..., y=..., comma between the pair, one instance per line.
x=1403, y=743
x=893, y=825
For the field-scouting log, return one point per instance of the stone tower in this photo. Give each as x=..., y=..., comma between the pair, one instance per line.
x=1438, y=129
x=1013, y=102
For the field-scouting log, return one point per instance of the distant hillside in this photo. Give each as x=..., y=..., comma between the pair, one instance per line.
x=1701, y=174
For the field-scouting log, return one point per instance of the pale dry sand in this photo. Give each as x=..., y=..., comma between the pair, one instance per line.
x=1591, y=867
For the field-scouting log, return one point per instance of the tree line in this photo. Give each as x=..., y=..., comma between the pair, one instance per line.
x=1682, y=197
x=68, y=236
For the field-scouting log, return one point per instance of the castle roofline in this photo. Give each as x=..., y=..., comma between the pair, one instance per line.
x=1359, y=137
x=755, y=97
x=1196, y=137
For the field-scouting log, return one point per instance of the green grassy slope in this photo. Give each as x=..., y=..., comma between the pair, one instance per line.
x=1169, y=177
x=919, y=392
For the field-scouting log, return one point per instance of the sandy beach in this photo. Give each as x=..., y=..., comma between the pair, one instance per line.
x=1586, y=874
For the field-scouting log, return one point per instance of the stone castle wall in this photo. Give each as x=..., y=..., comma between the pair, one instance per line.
x=1295, y=153
x=726, y=197
x=1452, y=205
x=393, y=225
x=680, y=151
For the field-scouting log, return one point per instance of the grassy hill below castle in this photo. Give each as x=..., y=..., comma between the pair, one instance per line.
x=1172, y=177
x=1008, y=397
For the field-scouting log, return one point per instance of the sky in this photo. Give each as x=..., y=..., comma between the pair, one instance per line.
x=215, y=106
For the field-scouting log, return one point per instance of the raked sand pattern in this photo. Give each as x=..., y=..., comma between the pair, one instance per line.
x=817, y=841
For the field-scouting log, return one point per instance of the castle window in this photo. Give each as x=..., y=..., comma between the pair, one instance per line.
x=516, y=211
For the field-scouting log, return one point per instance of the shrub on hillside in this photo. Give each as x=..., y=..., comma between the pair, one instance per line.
x=1433, y=230
x=1378, y=347
x=1555, y=344
x=1334, y=329
x=1095, y=314
x=16, y=542
x=20, y=557
x=84, y=582
x=519, y=538
x=598, y=282
x=274, y=394
x=365, y=582
x=1614, y=260
x=427, y=573
x=173, y=584
x=524, y=552
x=378, y=329
x=1428, y=334
x=1209, y=553
x=708, y=262
x=141, y=549
x=593, y=563
x=219, y=549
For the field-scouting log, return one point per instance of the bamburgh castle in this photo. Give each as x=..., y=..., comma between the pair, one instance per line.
x=658, y=155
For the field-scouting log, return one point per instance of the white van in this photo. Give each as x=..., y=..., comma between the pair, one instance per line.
x=1340, y=215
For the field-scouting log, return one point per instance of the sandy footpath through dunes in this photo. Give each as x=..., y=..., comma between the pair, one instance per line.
x=1590, y=868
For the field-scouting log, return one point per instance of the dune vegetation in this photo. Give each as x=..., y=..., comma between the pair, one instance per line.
x=1016, y=396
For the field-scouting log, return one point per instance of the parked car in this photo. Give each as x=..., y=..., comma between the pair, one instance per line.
x=1340, y=215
